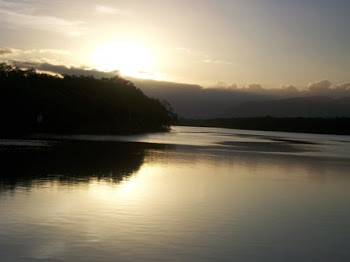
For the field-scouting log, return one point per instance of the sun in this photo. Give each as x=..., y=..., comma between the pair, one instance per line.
x=131, y=59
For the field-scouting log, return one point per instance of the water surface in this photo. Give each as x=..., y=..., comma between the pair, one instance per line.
x=195, y=194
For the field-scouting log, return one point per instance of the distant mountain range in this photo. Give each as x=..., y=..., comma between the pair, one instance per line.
x=319, y=106
x=196, y=102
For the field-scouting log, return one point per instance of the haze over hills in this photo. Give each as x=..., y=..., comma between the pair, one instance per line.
x=316, y=106
x=320, y=99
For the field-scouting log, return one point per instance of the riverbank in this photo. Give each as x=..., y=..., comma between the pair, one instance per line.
x=336, y=126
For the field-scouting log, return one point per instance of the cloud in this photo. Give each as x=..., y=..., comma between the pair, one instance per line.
x=205, y=58
x=216, y=61
x=320, y=86
x=345, y=85
x=102, y=9
x=61, y=69
x=220, y=84
x=342, y=90
x=52, y=51
x=52, y=56
x=255, y=88
x=291, y=90
x=184, y=49
x=45, y=23
x=39, y=52
x=326, y=88
x=6, y=51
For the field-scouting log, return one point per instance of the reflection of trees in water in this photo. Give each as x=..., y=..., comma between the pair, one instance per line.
x=83, y=161
x=70, y=162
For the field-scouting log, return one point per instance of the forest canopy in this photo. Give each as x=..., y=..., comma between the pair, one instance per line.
x=32, y=102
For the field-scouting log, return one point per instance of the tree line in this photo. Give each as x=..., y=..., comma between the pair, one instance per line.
x=36, y=102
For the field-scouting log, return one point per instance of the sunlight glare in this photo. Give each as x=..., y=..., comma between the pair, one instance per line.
x=129, y=58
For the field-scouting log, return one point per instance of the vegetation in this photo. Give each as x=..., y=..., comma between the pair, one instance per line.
x=340, y=126
x=32, y=102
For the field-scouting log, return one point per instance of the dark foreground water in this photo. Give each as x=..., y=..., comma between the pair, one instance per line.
x=195, y=194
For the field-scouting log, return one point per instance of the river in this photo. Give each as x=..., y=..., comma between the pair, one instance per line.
x=193, y=194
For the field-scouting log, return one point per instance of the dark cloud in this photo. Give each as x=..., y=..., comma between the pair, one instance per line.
x=254, y=88
x=61, y=69
x=344, y=86
x=6, y=51
x=342, y=90
x=320, y=86
x=290, y=88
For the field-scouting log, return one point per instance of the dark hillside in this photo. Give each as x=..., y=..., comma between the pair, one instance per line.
x=32, y=102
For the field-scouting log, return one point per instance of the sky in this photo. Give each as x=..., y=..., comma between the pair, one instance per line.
x=272, y=43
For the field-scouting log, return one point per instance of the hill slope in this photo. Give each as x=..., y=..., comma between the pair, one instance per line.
x=32, y=102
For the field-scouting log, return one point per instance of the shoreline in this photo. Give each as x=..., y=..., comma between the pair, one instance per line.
x=331, y=126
